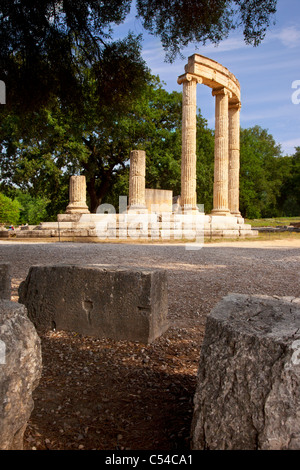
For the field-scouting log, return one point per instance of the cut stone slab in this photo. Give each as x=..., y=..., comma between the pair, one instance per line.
x=20, y=372
x=117, y=303
x=248, y=385
x=5, y=281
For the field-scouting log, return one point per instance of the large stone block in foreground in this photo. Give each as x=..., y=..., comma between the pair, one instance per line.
x=20, y=371
x=116, y=303
x=248, y=389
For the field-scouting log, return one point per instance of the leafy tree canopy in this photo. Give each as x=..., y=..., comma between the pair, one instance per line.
x=9, y=210
x=179, y=23
x=289, y=200
x=40, y=39
x=39, y=154
x=261, y=173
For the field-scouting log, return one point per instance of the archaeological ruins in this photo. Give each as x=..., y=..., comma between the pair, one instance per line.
x=226, y=90
x=158, y=213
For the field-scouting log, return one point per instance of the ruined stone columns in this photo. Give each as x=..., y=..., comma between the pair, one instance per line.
x=234, y=159
x=220, y=194
x=226, y=89
x=137, y=179
x=188, y=156
x=77, y=196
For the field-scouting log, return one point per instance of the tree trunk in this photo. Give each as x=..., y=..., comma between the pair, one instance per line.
x=91, y=190
x=97, y=194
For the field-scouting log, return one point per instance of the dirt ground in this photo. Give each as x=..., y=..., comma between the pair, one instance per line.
x=114, y=395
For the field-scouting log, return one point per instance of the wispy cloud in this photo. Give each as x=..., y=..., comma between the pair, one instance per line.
x=289, y=36
x=284, y=111
x=288, y=146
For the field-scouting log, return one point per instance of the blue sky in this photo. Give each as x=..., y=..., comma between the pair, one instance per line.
x=266, y=73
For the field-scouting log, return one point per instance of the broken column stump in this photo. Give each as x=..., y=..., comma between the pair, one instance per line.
x=5, y=281
x=248, y=386
x=20, y=372
x=105, y=302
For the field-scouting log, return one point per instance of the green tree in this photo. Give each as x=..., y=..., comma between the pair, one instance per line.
x=39, y=156
x=34, y=158
x=38, y=39
x=260, y=176
x=289, y=200
x=33, y=210
x=9, y=210
x=179, y=23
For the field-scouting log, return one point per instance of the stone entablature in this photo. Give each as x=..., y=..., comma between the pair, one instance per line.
x=213, y=75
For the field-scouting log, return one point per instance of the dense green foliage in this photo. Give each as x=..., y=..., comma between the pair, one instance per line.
x=289, y=198
x=260, y=180
x=9, y=210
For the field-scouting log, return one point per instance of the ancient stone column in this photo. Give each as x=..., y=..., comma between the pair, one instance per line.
x=77, y=196
x=137, y=179
x=188, y=198
x=220, y=193
x=234, y=159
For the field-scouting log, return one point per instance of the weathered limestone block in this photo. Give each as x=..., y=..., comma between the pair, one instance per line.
x=248, y=390
x=5, y=281
x=159, y=200
x=20, y=371
x=116, y=303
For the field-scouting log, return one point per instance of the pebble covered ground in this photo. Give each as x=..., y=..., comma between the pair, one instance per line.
x=110, y=395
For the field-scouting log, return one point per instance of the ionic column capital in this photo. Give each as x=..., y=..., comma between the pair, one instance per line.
x=236, y=106
x=221, y=91
x=188, y=77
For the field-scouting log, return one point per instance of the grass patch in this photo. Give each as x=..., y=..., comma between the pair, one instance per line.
x=266, y=236
x=273, y=222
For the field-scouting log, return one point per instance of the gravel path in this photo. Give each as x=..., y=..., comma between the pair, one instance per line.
x=101, y=394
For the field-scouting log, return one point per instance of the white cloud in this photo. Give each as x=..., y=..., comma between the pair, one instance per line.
x=289, y=36
x=288, y=146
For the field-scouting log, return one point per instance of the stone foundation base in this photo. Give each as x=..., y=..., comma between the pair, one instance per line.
x=131, y=225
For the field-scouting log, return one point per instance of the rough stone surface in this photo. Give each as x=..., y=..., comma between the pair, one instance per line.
x=248, y=385
x=116, y=303
x=159, y=200
x=5, y=281
x=20, y=371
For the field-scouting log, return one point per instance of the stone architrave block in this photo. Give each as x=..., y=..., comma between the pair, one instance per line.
x=5, y=281
x=20, y=372
x=106, y=302
x=248, y=386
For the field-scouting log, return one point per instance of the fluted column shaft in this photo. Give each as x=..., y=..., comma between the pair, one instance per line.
x=188, y=156
x=137, y=179
x=220, y=193
x=77, y=195
x=234, y=159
